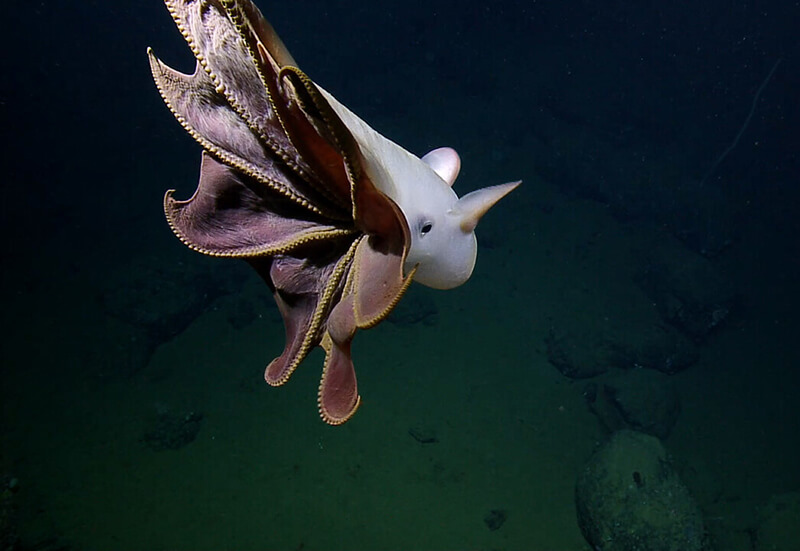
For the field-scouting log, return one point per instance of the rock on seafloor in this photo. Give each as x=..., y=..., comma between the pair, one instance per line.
x=644, y=400
x=629, y=498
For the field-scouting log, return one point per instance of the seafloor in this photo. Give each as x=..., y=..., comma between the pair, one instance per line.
x=134, y=413
x=511, y=431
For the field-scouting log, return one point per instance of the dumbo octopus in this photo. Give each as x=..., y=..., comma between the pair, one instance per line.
x=336, y=218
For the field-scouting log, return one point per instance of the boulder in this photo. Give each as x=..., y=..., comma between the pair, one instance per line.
x=172, y=431
x=640, y=399
x=654, y=346
x=629, y=498
x=585, y=352
x=575, y=356
x=154, y=299
x=689, y=290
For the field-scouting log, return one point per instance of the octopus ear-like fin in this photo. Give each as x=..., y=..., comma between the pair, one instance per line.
x=445, y=162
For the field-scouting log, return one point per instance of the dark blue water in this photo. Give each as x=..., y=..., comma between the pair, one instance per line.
x=656, y=231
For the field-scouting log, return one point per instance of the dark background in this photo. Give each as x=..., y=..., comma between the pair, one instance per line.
x=627, y=106
x=644, y=89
